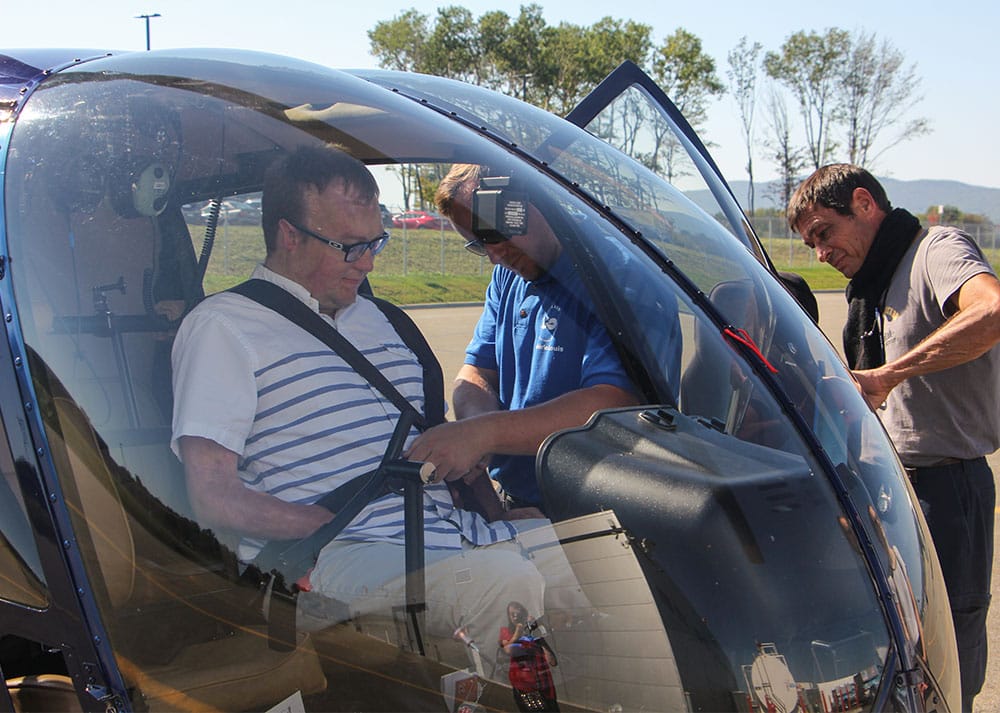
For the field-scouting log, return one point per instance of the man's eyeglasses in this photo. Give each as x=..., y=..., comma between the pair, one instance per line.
x=477, y=246
x=352, y=253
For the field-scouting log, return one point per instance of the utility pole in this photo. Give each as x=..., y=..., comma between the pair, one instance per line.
x=147, y=19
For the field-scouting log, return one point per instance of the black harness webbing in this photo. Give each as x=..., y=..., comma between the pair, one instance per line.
x=284, y=562
x=284, y=303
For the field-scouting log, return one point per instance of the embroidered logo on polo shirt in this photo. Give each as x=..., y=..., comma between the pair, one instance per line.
x=548, y=324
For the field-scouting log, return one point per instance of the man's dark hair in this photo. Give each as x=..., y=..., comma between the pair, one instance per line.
x=833, y=187
x=315, y=165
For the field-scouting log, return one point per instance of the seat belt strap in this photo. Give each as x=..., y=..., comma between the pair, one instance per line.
x=413, y=338
x=293, y=309
x=361, y=490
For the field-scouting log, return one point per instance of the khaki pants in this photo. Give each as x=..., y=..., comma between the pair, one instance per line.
x=470, y=587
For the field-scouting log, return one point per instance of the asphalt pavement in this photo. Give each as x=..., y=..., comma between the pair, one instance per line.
x=448, y=329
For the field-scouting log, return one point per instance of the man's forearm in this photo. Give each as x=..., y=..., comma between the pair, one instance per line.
x=970, y=333
x=221, y=500
x=521, y=432
x=261, y=515
x=473, y=396
x=966, y=336
x=455, y=448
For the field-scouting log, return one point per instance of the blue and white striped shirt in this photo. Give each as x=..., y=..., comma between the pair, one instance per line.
x=302, y=419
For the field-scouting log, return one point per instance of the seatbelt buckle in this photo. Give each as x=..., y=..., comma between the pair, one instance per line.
x=303, y=584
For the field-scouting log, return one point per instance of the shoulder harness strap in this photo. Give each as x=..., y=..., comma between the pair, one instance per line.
x=287, y=305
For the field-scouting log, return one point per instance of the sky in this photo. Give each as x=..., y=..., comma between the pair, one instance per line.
x=953, y=46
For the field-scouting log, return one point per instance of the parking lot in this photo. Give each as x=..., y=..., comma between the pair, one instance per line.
x=448, y=329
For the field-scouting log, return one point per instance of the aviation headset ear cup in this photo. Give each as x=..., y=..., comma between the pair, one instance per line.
x=144, y=190
x=150, y=189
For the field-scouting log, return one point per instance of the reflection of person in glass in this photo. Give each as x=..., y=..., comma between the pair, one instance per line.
x=531, y=661
x=899, y=582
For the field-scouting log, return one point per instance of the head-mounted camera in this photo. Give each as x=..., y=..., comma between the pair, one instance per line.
x=498, y=212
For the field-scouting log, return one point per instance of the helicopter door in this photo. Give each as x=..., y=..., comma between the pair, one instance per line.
x=629, y=111
x=632, y=113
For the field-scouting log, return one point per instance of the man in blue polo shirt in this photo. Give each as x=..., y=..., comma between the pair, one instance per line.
x=539, y=361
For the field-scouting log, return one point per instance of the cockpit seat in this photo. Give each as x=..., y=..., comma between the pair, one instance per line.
x=707, y=389
x=43, y=693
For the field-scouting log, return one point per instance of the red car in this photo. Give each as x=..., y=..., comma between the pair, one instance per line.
x=420, y=219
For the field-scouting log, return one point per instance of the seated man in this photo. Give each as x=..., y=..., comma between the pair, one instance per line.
x=540, y=360
x=268, y=419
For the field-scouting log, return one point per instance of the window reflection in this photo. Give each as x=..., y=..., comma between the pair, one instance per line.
x=21, y=576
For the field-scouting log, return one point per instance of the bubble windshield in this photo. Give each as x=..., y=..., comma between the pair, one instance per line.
x=700, y=547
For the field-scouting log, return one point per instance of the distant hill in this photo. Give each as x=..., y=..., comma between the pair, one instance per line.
x=915, y=196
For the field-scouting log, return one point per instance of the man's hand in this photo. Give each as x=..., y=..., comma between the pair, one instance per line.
x=456, y=449
x=875, y=385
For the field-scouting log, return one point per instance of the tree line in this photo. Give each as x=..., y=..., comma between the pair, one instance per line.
x=853, y=93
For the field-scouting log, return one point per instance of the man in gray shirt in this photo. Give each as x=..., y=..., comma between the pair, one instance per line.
x=922, y=337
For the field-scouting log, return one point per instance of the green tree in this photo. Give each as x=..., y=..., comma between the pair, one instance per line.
x=518, y=56
x=453, y=48
x=493, y=28
x=787, y=159
x=400, y=43
x=951, y=214
x=552, y=67
x=812, y=67
x=976, y=219
x=744, y=68
x=610, y=42
x=574, y=59
x=687, y=75
x=877, y=91
x=560, y=66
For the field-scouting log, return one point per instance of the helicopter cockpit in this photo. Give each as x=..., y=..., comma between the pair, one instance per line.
x=743, y=540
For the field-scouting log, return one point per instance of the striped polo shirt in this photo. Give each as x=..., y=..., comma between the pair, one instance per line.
x=302, y=419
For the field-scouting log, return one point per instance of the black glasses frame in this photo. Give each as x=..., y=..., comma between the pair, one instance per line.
x=477, y=246
x=352, y=253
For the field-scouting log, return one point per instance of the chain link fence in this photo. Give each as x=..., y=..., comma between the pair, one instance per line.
x=442, y=251
x=429, y=251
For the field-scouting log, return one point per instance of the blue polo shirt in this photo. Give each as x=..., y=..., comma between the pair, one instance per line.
x=543, y=341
